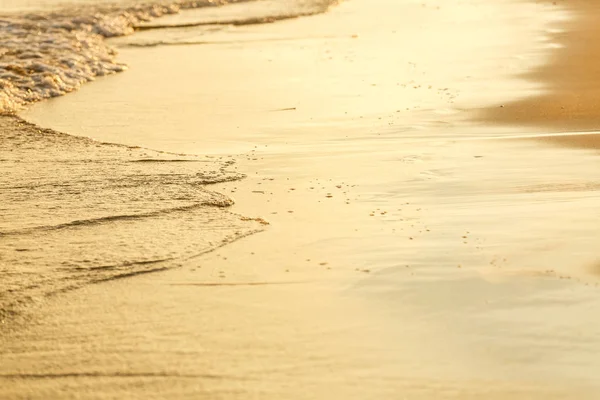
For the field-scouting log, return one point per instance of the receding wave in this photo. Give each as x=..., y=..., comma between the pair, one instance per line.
x=223, y=201
x=48, y=54
x=240, y=14
x=268, y=19
x=75, y=211
x=234, y=22
x=179, y=42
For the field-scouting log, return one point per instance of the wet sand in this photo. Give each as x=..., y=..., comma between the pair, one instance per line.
x=570, y=82
x=427, y=267
x=72, y=214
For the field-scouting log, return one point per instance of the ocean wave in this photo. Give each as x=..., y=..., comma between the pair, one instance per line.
x=48, y=54
x=150, y=42
x=268, y=14
x=75, y=211
x=51, y=53
x=214, y=200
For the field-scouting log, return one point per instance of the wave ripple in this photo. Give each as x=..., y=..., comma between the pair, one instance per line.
x=74, y=211
x=48, y=54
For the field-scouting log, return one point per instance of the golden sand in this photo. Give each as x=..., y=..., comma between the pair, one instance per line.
x=405, y=258
x=570, y=101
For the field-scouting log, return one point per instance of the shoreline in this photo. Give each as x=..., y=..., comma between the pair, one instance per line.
x=570, y=101
x=120, y=22
x=47, y=252
x=70, y=49
x=409, y=275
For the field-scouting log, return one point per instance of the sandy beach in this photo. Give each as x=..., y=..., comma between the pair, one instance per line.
x=569, y=99
x=417, y=219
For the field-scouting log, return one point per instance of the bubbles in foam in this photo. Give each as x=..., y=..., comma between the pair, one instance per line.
x=48, y=54
x=76, y=211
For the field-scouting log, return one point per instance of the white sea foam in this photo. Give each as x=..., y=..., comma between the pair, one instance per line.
x=76, y=211
x=48, y=54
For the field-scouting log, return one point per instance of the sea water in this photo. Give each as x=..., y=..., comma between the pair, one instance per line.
x=359, y=152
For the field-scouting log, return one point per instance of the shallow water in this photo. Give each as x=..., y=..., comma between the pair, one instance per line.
x=410, y=252
x=79, y=211
x=76, y=212
x=51, y=52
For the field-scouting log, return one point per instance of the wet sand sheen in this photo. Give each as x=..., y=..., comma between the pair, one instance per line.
x=571, y=82
x=420, y=287
x=72, y=216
